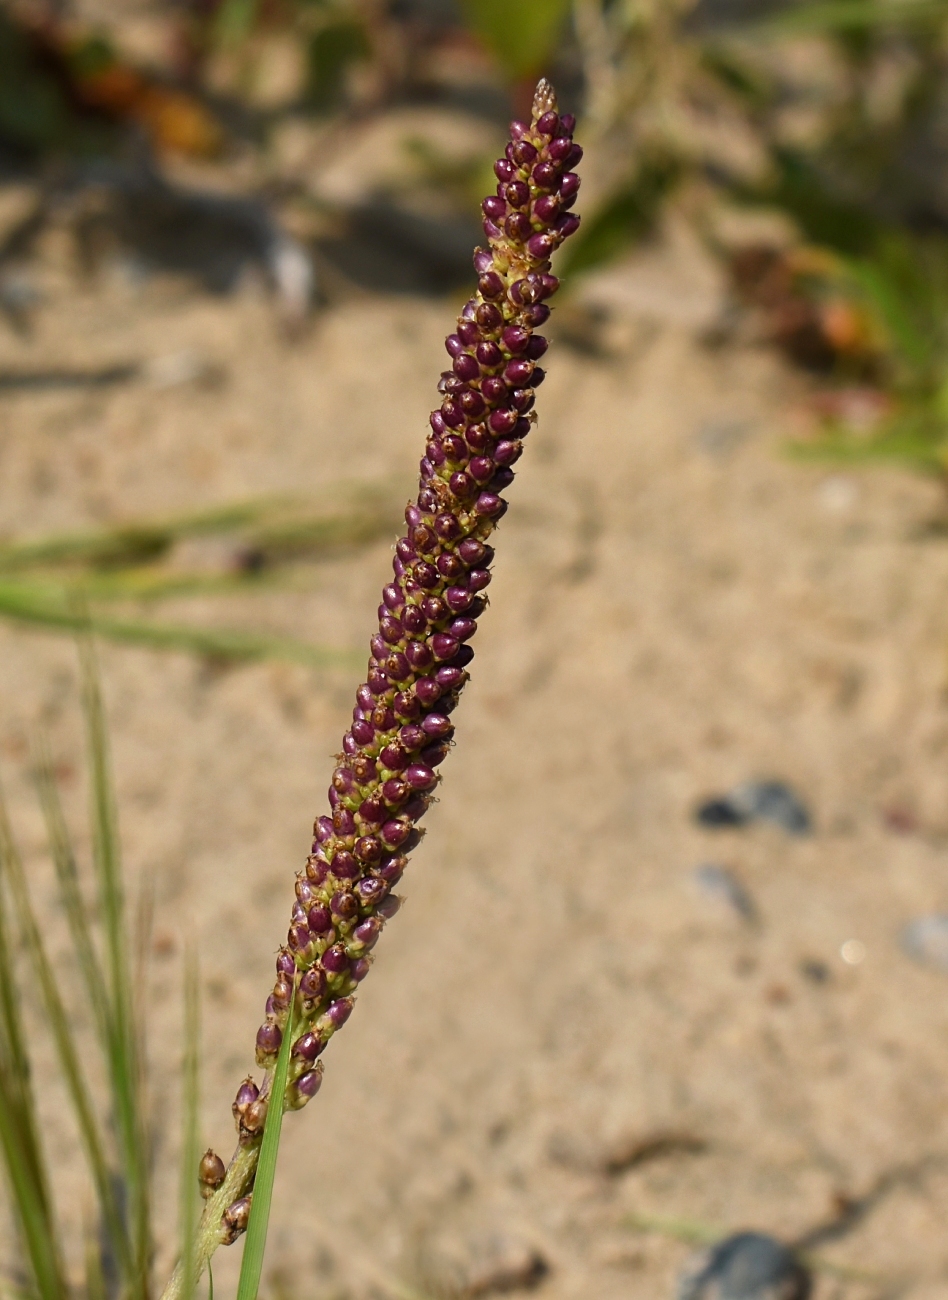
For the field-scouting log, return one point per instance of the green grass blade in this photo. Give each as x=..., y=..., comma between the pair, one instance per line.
x=19, y=1128
x=67, y=876
x=131, y=543
x=36, y=605
x=58, y=1023
x=251, y=1266
x=190, y=1140
x=125, y=1047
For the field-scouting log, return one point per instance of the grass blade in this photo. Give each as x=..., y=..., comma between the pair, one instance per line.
x=39, y=606
x=59, y=1024
x=251, y=1266
x=74, y=906
x=124, y=1056
x=190, y=1140
x=19, y=1129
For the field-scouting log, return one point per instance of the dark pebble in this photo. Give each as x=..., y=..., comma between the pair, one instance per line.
x=747, y=1266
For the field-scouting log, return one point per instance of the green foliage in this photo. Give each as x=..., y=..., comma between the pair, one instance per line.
x=521, y=34
x=251, y=1266
x=114, y=1137
x=628, y=215
x=331, y=51
x=59, y=583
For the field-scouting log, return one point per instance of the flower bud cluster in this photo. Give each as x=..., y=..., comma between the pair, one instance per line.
x=401, y=725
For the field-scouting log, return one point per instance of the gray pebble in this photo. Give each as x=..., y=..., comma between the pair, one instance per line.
x=747, y=1266
x=926, y=940
x=771, y=801
x=720, y=884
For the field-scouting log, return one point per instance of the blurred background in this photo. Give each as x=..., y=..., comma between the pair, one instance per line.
x=674, y=961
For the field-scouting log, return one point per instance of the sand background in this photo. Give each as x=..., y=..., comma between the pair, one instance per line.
x=677, y=606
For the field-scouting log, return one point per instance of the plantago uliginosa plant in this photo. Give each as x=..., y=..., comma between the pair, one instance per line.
x=401, y=728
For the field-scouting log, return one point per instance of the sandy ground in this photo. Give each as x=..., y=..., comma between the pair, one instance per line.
x=677, y=606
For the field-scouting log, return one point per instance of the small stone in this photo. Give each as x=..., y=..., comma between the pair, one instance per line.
x=747, y=1266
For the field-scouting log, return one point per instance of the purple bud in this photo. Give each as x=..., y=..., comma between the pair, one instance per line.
x=363, y=694
x=395, y=833
x=394, y=791
x=344, y=904
x=468, y=333
x=567, y=123
x=537, y=377
x=517, y=373
x=308, y=1084
x=548, y=285
x=488, y=317
x=339, y=1012
x=344, y=866
x=397, y=668
x=548, y=124
x=334, y=959
x=504, y=170
x=418, y=655
x=537, y=315
x=560, y=148
x=508, y=453
x=523, y=153
x=412, y=736
x=494, y=207
x=574, y=157
x=437, y=726
x=450, y=678
x=319, y=919
x=466, y=368
x=237, y=1216
x=420, y=777
x=547, y=208
x=323, y=829
x=517, y=227
x=569, y=185
x=285, y=964
x=502, y=421
x=413, y=620
x=536, y=347
x=472, y=404
x=313, y=984
x=308, y=1046
x=491, y=285
x=567, y=225
x=522, y=399
x=368, y=931
x=363, y=732
x=483, y=258
x=390, y=869
x=427, y=690
x=540, y=246
x=517, y=194
x=491, y=230
x=349, y=745
x=494, y=389
x=343, y=822
x=247, y=1094
x=515, y=340
x=459, y=598
x=436, y=420
x=545, y=176
x=372, y=811
x=269, y=1038
x=393, y=757
x=376, y=682
x=370, y=891
x=480, y=469
x=454, y=445
x=463, y=628
x=359, y=968
x=447, y=527
x=451, y=413
x=453, y=345
x=518, y=129
x=298, y=938
x=490, y=505
x=472, y=551
x=489, y=355
x=389, y=906
x=211, y=1170
x=462, y=485
x=443, y=646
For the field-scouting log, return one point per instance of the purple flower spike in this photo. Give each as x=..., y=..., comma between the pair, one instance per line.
x=401, y=729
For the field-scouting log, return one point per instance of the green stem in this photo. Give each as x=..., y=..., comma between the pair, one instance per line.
x=210, y=1234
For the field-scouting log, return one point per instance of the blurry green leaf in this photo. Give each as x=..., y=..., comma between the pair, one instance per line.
x=19, y=1127
x=234, y=21
x=59, y=1023
x=125, y=1055
x=626, y=217
x=251, y=1266
x=33, y=605
x=843, y=15
x=521, y=34
x=190, y=1143
x=331, y=52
